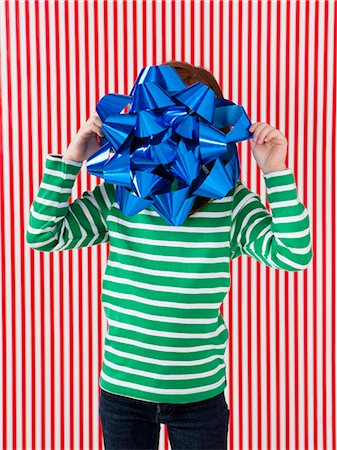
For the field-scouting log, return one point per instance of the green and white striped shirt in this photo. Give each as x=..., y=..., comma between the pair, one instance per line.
x=163, y=285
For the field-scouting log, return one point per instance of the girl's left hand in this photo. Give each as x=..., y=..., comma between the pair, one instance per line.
x=269, y=147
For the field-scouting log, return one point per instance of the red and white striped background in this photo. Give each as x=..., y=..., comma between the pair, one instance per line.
x=277, y=59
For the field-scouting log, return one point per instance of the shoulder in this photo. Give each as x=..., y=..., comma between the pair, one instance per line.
x=242, y=196
x=104, y=194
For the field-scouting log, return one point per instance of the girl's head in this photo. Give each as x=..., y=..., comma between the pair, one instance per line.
x=192, y=74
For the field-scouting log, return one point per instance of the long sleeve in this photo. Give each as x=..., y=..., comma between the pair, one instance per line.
x=54, y=223
x=279, y=238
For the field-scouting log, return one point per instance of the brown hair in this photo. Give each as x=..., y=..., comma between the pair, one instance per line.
x=192, y=74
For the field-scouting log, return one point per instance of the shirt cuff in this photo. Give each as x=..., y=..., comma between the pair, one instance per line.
x=281, y=188
x=279, y=177
x=66, y=161
x=56, y=162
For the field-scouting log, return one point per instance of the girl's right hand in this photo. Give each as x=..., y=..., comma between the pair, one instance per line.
x=85, y=142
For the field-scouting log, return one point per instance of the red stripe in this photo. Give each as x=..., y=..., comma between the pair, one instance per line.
x=296, y=284
x=183, y=32
x=39, y=257
x=314, y=208
x=211, y=37
x=10, y=232
x=87, y=39
x=333, y=236
x=230, y=376
x=98, y=66
x=286, y=284
x=44, y=295
x=52, y=306
x=305, y=198
x=249, y=265
x=21, y=229
x=277, y=273
x=135, y=40
x=77, y=383
x=267, y=271
x=192, y=32
x=202, y=33
x=154, y=31
x=115, y=15
x=258, y=267
x=69, y=277
x=240, y=314
x=173, y=30
x=125, y=46
x=324, y=237
x=94, y=381
x=144, y=30
x=4, y=54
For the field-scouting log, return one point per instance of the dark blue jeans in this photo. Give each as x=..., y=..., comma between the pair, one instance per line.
x=133, y=424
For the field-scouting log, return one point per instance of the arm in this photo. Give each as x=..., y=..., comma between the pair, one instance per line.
x=54, y=223
x=280, y=239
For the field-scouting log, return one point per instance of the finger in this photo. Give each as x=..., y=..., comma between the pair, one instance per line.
x=97, y=118
x=94, y=121
x=271, y=134
x=261, y=132
x=98, y=121
x=97, y=129
x=253, y=126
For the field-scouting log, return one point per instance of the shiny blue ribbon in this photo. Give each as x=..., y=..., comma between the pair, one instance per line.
x=155, y=155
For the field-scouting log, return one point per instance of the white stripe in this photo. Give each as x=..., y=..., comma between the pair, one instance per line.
x=54, y=157
x=105, y=196
x=153, y=257
x=55, y=188
x=36, y=245
x=38, y=231
x=285, y=187
x=252, y=226
x=59, y=174
x=166, y=348
x=167, y=273
x=91, y=198
x=160, y=318
x=298, y=251
x=166, y=334
x=167, y=243
x=196, y=215
x=166, y=391
x=249, y=198
x=291, y=263
x=291, y=219
x=159, y=303
x=88, y=215
x=161, y=288
x=178, y=229
x=278, y=173
x=162, y=362
x=251, y=251
x=51, y=203
x=44, y=217
x=284, y=204
x=292, y=234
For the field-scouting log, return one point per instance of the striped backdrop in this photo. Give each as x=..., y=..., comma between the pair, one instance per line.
x=277, y=59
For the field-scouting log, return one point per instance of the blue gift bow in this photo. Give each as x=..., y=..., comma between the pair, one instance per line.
x=160, y=147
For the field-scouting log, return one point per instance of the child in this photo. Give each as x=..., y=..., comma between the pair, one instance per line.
x=163, y=285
